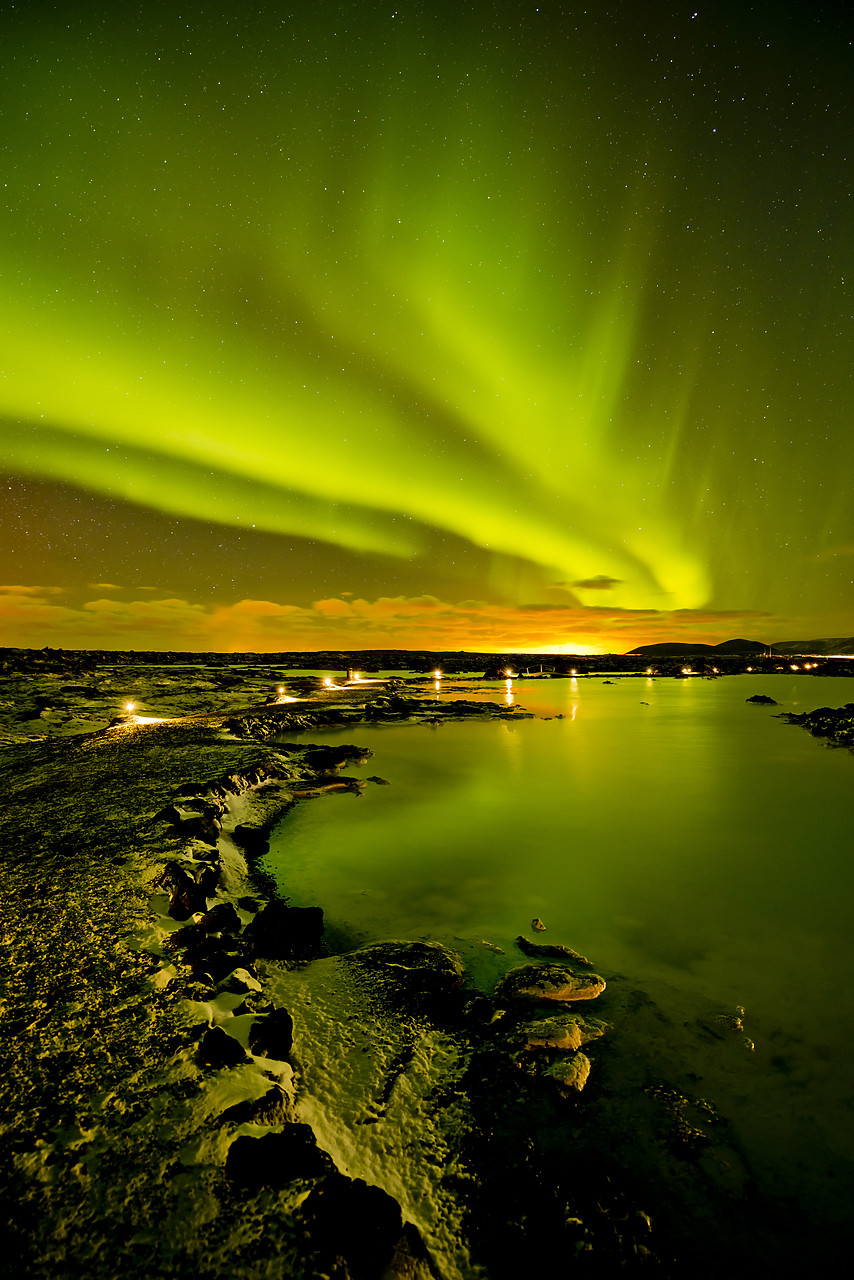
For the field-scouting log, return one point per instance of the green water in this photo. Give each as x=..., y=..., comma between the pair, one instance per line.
x=691, y=844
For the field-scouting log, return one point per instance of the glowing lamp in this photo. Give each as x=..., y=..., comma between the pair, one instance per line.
x=129, y=706
x=327, y=682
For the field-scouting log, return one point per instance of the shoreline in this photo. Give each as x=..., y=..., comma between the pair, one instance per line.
x=120, y=1073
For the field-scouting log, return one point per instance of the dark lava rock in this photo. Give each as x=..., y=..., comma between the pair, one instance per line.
x=272, y=1036
x=273, y=1108
x=205, y=827
x=221, y=919
x=352, y=1220
x=416, y=970
x=275, y=1159
x=570, y=1075
x=218, y=1049
x=280, y=932
x=550, y=983
x=253, y=840
x=189, y=891
x=762, y=699
x=210, y=956
x=835, y=723
x=240, y=981
x=554, y=950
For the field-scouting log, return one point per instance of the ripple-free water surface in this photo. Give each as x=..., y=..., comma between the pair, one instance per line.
x=674, y=833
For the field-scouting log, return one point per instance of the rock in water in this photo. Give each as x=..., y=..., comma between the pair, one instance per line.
x=538, y=925
x=763, y=700
x=548, y=982
x=565, y=1033
x=569, y=1074
x=555, y=950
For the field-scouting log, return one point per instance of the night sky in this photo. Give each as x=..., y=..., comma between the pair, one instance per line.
x=451, y=325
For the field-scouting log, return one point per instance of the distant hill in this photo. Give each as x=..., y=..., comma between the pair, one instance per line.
x=683, y=649
x=741, y=646
x=844, y=645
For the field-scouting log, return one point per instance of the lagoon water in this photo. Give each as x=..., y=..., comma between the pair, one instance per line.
x=693, y=845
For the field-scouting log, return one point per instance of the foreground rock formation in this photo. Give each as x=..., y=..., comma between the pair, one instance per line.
x=836, y=724
x=192, y=1086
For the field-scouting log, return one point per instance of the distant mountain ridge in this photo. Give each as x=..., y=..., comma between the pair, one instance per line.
x=838, y=645
x=681, y=648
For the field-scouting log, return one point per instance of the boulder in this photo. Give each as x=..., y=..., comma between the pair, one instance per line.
x=549, y=983
x=239, y=981
x=275, y=1159
x=221, y=918
x=280, y=932
x=350, y=1219
x=569, y=1074
x=189, y=892
x=218, y=1049
x=272, y=1035
x=252, y=840
x=423, y=974
x=565, y=1033
x=554, y=950
x=273, y=1107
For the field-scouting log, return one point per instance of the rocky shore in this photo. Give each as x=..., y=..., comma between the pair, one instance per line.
x=834, y=724
x=192, y=1085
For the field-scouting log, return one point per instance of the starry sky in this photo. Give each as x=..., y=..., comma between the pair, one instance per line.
x=435, y=325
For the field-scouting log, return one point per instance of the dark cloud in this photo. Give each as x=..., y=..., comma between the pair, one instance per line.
x=600, y=583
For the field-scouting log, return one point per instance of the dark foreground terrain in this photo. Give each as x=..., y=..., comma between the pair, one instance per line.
x=192, y=1085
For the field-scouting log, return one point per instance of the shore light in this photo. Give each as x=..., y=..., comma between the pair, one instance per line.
x=573, y=672
x=327, y=683
x=129, y=706
x=281, y=688
x=438, y=675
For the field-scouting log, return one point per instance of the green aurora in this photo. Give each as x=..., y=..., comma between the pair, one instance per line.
x=535, y=305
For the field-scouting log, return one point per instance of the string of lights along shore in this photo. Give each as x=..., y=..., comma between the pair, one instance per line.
x=473, y=325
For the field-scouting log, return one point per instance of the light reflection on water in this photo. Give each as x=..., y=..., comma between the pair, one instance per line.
x=673, y=833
